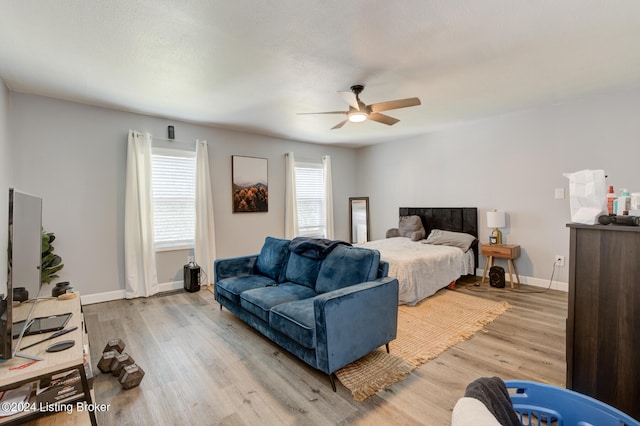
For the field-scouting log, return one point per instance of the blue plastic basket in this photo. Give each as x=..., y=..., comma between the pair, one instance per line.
x=545, y=405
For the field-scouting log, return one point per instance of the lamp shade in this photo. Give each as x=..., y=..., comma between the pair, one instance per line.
x=496, y=219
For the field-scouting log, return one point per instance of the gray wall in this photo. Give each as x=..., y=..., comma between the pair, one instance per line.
x=5, y=182
x=74, y=156
x=513, y=163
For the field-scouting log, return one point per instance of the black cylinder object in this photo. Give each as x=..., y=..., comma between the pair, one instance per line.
x=619, y=220
x=628, y=220
x=172, y=133
x=61, y=288
x=496, y=277
x=191, y=277
x=20, y=294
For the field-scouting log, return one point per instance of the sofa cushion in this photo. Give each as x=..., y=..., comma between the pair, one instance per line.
x=346, y=266
x=232, y=287
x=296, y=320
x=302, y=270
x=272, y=257
x=259, y=301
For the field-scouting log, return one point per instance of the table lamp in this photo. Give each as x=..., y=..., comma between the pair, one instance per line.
x=495, y=220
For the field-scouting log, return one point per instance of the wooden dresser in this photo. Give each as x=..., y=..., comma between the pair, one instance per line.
x=603, y=324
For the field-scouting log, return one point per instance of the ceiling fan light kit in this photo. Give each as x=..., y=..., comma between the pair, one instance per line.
x=357, y=117
x=359, y=111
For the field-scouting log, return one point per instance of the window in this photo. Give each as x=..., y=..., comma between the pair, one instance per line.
x=173, y=181
x=310, y=200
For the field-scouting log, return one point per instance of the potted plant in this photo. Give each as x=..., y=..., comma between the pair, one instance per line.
x=51, y=262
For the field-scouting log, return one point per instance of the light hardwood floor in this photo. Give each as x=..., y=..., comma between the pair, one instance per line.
x=206, y=367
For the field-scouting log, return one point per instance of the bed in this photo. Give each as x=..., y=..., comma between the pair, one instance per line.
x=423, y=269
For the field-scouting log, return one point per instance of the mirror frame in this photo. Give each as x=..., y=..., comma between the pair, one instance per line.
x=366, y=202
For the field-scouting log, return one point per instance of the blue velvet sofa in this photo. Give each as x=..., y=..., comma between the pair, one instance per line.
x=325, y=301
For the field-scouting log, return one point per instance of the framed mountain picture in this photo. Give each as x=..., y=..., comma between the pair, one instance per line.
x=250, y=184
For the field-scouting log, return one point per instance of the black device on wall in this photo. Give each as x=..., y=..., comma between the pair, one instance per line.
x=496, y=277
x=191, y=277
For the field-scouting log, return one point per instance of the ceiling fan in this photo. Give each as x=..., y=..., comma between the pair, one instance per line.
x=359, y=112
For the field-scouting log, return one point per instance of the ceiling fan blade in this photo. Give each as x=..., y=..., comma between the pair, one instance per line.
x=400, y=103
x=325, y=112
x=340, y=124
x=350, y=98
x=384, y=119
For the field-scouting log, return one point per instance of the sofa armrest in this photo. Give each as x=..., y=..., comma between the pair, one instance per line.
x=353, y=321
x=233, y=266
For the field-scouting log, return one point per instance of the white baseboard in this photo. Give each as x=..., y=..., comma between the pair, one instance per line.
x=170, y=286
x=537, y=282
x=89, y=299
x=120, y=294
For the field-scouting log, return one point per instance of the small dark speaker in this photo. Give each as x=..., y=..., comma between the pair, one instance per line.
x=496, y=277
x=191, y=277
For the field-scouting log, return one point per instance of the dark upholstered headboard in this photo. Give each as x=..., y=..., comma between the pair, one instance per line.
x=457, y=219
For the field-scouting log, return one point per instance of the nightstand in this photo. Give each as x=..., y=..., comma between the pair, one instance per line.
x=501, y=251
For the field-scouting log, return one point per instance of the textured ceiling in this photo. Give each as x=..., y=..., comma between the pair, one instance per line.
x=252, y=65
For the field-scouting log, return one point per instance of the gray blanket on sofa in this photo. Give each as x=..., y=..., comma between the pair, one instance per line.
x=314, y=248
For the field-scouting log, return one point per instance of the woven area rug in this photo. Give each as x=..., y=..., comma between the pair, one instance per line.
x=424, y=331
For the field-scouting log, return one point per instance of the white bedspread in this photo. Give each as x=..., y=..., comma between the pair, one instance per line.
x=422, y=269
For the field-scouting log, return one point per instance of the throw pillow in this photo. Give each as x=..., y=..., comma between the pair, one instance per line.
x=271, y=258
x=449, y=238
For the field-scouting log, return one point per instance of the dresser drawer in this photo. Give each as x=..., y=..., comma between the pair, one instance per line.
x=506, y=251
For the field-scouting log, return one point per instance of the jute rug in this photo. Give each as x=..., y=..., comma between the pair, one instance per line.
x=424, y=331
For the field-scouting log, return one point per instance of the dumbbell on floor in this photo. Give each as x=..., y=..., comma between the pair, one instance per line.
x=120, y=364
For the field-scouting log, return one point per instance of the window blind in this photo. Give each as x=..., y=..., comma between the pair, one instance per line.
x=310, y=199
x=173, y=183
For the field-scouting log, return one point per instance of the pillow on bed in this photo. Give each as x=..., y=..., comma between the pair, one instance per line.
x=449, y=238
x=411, y=227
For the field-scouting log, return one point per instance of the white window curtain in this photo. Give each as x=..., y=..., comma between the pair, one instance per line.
x=328, y=196
x=139, y=255
x=205, y=239
x=290, y=210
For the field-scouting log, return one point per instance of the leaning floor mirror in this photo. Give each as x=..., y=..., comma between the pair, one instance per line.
x=359, y=219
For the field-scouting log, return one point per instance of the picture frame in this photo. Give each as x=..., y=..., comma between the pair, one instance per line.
x=249, y=184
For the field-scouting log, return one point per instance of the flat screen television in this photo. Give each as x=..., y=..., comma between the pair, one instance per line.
x=23, y=265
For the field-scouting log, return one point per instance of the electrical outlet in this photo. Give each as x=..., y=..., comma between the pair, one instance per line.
x=559, y=260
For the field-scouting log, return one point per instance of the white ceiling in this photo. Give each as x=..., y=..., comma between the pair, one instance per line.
x=252, y=65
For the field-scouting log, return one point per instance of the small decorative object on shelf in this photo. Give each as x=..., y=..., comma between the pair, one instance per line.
x=20, y=294
x=114, y=345
x=131, y=376
x=119, y=362
x=61, y=288
x=105, y=362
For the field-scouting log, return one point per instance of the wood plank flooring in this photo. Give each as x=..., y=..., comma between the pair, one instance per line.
x=206, y=367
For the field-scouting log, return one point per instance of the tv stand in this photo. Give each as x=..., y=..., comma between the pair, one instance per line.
x=16, y=372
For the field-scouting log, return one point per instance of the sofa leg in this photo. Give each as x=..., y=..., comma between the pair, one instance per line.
x=333, y=381
x=387, y=346
x=220, y=305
